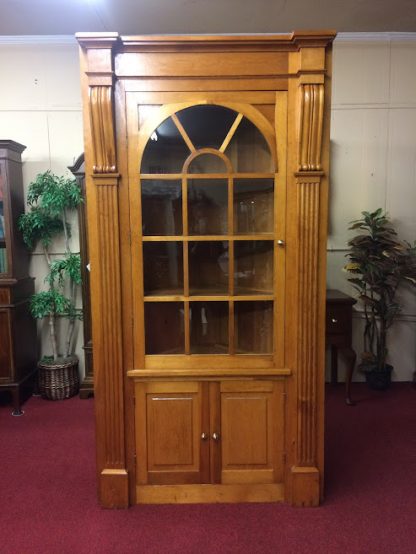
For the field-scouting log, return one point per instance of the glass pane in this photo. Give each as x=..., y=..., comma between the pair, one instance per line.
x=164, y=325
x=253, y=206
x=207, y=163
x=253, y=267
x=207, y=206
x=208, y=267
x=209, y=327
x=207, y=126
x=248, y=150
x=253, y=327
x=3, y=250
x=161, y=207
x=166, y=151
x=163, y=268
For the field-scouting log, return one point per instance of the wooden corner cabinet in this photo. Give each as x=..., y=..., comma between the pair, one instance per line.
x=206, y=164
x=18, y=348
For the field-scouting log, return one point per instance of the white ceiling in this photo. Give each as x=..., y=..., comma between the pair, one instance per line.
x=63, y=17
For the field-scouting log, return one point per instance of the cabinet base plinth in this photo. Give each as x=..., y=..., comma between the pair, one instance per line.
x=305, y=486
x=195, y=494
x=114, y=488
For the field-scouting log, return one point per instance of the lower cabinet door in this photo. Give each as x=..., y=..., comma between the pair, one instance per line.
x=172, y=426
x=252, y=431
x=225, y=432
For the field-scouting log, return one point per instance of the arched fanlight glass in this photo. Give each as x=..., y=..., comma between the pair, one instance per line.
x=201, y=127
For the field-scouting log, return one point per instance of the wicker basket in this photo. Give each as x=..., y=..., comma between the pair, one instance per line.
x=58, y=379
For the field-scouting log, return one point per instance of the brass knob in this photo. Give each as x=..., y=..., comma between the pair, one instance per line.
x=204, y=436
x=216, y=436
x=280, y=243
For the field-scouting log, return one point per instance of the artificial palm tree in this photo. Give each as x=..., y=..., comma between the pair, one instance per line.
x=379, y=263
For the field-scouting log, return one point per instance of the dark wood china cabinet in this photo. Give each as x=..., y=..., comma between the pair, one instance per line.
x=18, y=346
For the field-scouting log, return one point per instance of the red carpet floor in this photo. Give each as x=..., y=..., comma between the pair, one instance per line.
x=48, y=498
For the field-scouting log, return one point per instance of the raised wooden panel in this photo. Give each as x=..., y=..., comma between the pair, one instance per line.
x=175, y=64
x=171, y=421
x=251, y=432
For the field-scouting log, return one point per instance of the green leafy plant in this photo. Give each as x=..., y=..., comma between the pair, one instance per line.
x=50, y=199
x=379, y=262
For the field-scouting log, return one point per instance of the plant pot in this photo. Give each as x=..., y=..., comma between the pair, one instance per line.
x=377, y=379
x=58, y=379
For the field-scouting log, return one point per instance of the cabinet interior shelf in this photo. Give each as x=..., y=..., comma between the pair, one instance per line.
x=179, y=238
x=162, y=296
x=190, y=176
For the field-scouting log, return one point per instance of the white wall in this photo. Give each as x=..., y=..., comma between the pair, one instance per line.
x=40, y=107
x=373, y=161
x=373, y=142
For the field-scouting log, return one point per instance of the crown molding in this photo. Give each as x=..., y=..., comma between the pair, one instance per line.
x=38, y=39
x=341, y=37
x=375, y=37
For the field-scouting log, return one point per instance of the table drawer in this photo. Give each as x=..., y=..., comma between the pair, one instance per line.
x=338, y=319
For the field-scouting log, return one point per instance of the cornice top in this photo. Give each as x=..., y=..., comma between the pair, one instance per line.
x=293, y=40
x=12, y=145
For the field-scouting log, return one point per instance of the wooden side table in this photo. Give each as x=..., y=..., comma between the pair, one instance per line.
x=339, y=336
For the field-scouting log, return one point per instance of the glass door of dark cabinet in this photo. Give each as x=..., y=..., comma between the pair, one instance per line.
x=3, y=234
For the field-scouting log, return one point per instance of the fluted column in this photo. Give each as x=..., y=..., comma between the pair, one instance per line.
x=306, y=472
x=102, y=181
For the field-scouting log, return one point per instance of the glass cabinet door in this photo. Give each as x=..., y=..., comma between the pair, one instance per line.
x=3, y=245
x=207, y=180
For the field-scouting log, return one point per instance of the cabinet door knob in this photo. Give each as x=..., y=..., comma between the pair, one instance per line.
x=281, y=243
x=204, y=436
x=334, y=320
x=216, y=436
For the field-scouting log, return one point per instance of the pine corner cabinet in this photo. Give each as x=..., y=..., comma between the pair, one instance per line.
x=206, y=163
